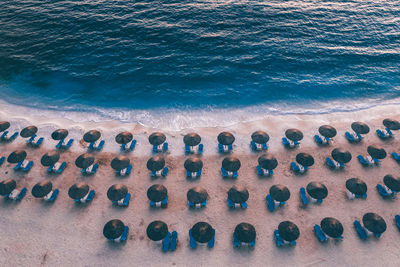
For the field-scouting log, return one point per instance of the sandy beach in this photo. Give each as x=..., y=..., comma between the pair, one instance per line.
x=63, y=233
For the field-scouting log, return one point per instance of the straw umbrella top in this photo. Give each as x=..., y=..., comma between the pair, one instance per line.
x=279, y=193
x=231, y=164
x=374, y=223
x=360, y=127
x=376, y=152
x=84, y=161
x=120, y=162
x=226, y=138
x=78, y=190
x=288, y=231
x=341, y=155
x=113, y=229
x=7, y=186
x=294, y=134
x=327, y=131
x=155, y=163
x=245, y=232
x=157, y=230
x=59, y=134
x=192, y=139
x=392, y=182
x=356, y=186
x=193, y=164
x=117, y=192
x=317, y=190
x=123, y=138
x=267, y=162
x=42, y=189
x=238, y=194
x=50, y=158
x=28, y=131
x=202, y=232
x=332, y=227
x=91, y=136
x=260, y=137
x=391, y=124
x=4, y=125
x=305, y=159
x=157, y=192
x=197, y=195
x=17, y=156
x=157, y=138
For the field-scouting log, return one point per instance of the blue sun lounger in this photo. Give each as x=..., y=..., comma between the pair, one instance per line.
x=16, y=195
x=365, y=162
x=190, y=150
x=353, y=138
x=170, y=241
x=163, y=204
x=296, y=167
x=387, y=133
x=225, y=148
x=2, y=159
x=125, y=171
x=35, y=143
x=319, y=234
x=396, y=156
x=131, y=147
x=163, y=148
x=238, y=244
x=198, y=205
x=90, y=170
x=93, y=146
x=123, y=202
x=5, y=138
x=271, y=203
x=280, y=242
x=58, y=170
x=289, y=144
x=334, y=164
x=193, y=243
x=19, y=166
x=383, y=191
x=61, y=145
x=397, y=219
x=163, y=173
x=321, y=141
x=226, y=174
x=262, y=172
x=193, y=174
x=256, y=147
x=233, y=205
x=303, y=196
x=89, y=197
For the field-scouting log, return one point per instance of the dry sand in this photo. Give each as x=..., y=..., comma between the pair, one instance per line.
x=34, y=233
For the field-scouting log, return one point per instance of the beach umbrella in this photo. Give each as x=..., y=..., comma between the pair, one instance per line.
x=113, y=229
x=157, y=138
x=197, y=195
x=245, y=232
x=305, y=159
x=260, y=137
x=84, y=161
x=360, y=127
x=157, y=192
x=7, y=186
x=267, y=162
x=50, y=158
x=376, y=152
x=238, y=194
x=120, y=162
x=157, y=230
x=294, y=134
x=123, y=138
x=392, y=183
x=356, y=186
x=341, y=155
x=279, y=193
x=91, y=136
x=193, y=164
x=288, y=231
x=16, y=156
x=4, y=125
x=332, y=227
x=155, y=163
x=317, y=190
x=78, y=190
x=231, y=164
x=327, y=131
x=117, y=192
x=374, y=223
x=59, y=134
x=192, y=139
x=226, y=138
x=28, y=131
x=202, y=232
x=42, y=189
x=391, y=124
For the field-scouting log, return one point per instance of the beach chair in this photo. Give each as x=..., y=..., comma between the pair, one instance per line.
x=160, y=204
x=89, y=197
x=360, y=230
x=57, y=168
x=16, y=194
x=163, y=173
x=238, y=244
x=384, y=134
x=319, y=233
x=368, y=161
x=258, y=147
x=2, y=159
x=233, y=205
x=280, y=242
x=385, y=192
x=128, y=147
x=321, y=140
x=333, y=164
x=396, y=156
x=5, y=138
x=170, y=241
x=352, y=196
x=353, y=138
x=124, y=172
x=33, y=141
x=298, y=168
x=166, y=241
x=96, y=145
x=303, y=196
x=24, y=166
x=263, y=172
x=397, y=220
x=160, y=148
x=197, y=205
x=174, y=241
x=225, y=148
x=272, y=204
x=62, y=145
x=192, y=149
x=90, y=170
x=289, y=143
x=52, y=196
x=226, y=174
x=193, y=174
x=123, y=202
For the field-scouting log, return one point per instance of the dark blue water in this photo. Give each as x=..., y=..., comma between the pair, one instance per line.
x=144, y=54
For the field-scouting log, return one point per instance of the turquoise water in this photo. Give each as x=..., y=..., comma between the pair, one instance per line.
x=127, y=55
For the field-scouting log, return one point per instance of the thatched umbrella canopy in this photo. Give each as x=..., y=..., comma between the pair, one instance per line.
x=332, y=227
x=78, y=190
x=193, y=164
x=84, y=161
x=245, y=232
x=327, y=131
x=59, y=134
x=91, y=136
x=294, y=134
x=157, y=230
x=393, y=183
x=288, y=231
x=374, y=223
x=202, y=232
x=231, y=164
x=226, y=138
x=376, y=152
x=28, y=131
x=50, y=158
x=238, y=194
x=197, y=195
x=7, y=186
x=157, y=138
x=317, y=190
x=120, y=162
x=341, y=155
x=305, y=159
x=279, y=193
x=42, y=189
x=391, y=124
x=155, y=163
x=17, y=156
x=260, y=137
x=123, y=138
x=267, y=162
x=4, y=125
x=360, y=127
x=192, y=139
x=356, y=186
x=157, y=192
x=117, y=192
x=113, y=229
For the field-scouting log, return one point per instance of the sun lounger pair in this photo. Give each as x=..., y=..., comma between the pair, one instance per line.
x=385, y=192
x=362, y=232
x=193, y=174
x=96, y=145
x=123, y=202
x=5, y=138
x=272, y=204
x=192, y=149
x=352, y=196
x=263, y=172
x=170, y=242
x=160, y=148
x=334, y=164
x=62, y=145
x=258, y=147
x=289, y=143
x=24, y=166
x=280, y=242
x=321, y=235
x=384, y=134
x=35, y=141
x=321, y=140
x=238, y=244
x=226, y=174
x=298, y=168
x=89, y=197
x=225, y=148
x=57, y=168
x=368, y=160
x=16, y=194
x=193, y=243
x=354, y=137
x=123, y=237
x=52, y=196
x=124, y=172
x=307, y=199
x=233, y=205
x=90, y=170
x=128, y=147
x=198, y=205
x=163, y=173
x=160, y=204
